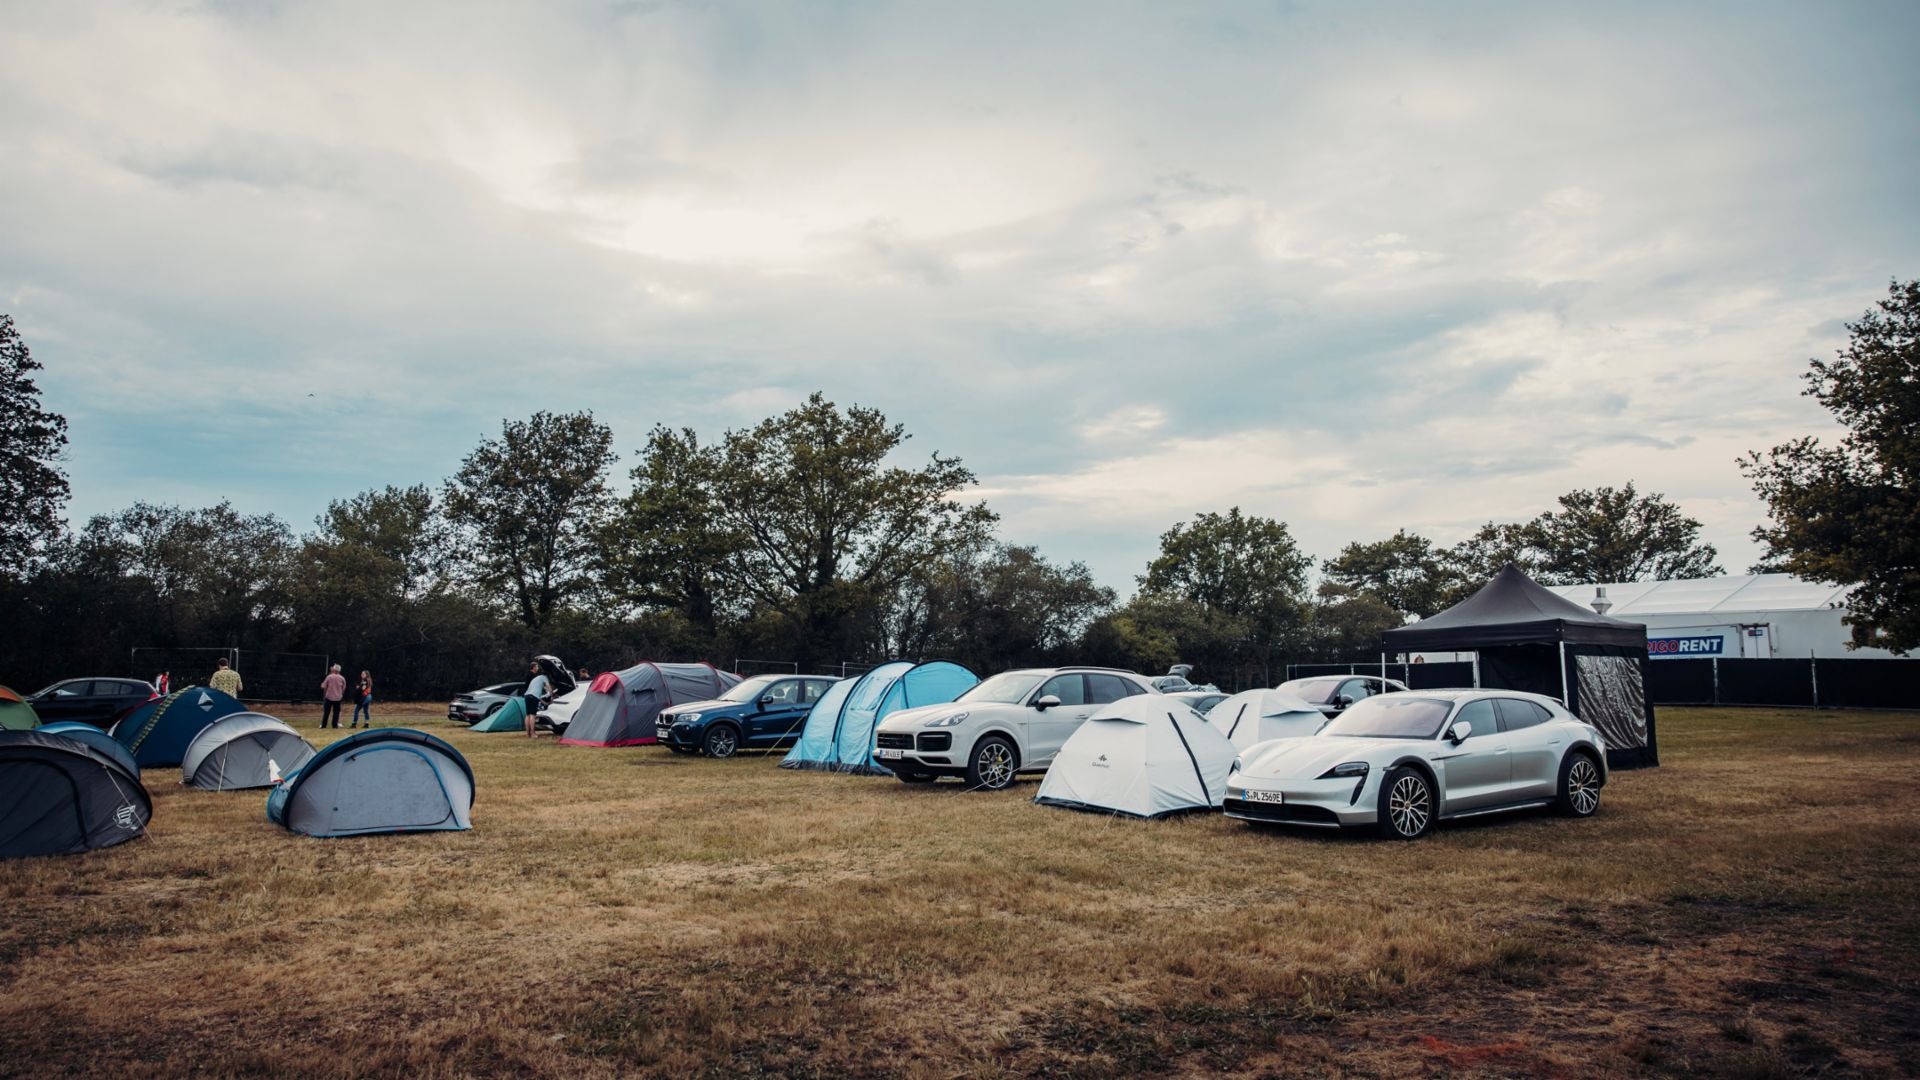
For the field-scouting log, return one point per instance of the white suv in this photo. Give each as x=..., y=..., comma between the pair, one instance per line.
x=1012, y=723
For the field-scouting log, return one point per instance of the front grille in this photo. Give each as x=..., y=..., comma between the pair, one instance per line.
x=1307, y=815
x=888, y=740
x=936, y=740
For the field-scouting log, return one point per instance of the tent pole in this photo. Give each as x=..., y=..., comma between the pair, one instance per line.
x=1476, y=669
x=1383, y=670
x=1563, y=675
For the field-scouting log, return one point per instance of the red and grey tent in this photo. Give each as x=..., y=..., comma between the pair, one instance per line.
x=621, y=706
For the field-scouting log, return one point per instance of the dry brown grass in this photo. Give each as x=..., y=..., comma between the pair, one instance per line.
x=1749, y=910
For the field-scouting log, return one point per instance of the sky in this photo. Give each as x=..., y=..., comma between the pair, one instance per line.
x=1359, y=267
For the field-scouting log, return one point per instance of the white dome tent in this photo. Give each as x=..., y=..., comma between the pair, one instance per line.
x=245, y=750
x=1254, y=716
x=1142, y=756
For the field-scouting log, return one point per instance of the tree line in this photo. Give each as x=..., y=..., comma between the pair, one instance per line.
x=804, y=539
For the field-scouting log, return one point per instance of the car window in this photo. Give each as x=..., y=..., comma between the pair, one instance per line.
x=1516, y=714
x=1070, y=689
x=1480, y=714
x=811, y=690
x=76, y=688
x=1313, y=691
x=1102, y=689
x=1356, y=689
x=784, y=693
x=1391, y=716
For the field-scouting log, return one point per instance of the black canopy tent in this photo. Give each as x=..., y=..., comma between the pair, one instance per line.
x=1528, y=638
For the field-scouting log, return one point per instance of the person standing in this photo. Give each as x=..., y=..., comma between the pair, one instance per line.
x=364, y=704
x=226, y=680
x=536, y=694
x=332, y=689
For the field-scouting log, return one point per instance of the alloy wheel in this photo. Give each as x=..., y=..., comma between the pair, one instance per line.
x=1583, y=787
x=722, y=743
x=1409, y=806
x=995, y=764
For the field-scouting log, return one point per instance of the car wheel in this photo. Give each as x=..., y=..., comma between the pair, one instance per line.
x=992, y=764
x=491, y=709
x=913, y=777
x=1406, y=804
x=1579, y=786
x=722, y=741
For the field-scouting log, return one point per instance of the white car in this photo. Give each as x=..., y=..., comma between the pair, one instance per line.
x=1403, y=761
x=559, y=712
x=1012, y=723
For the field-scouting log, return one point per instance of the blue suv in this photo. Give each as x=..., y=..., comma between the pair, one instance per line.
x=765, y=712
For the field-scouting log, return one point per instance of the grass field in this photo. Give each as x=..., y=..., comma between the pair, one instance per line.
x=1750, y=909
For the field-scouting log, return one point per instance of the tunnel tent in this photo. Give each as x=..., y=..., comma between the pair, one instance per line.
x=1141, y=756
x=158, y=732
x=839, y=730
x=244, y=750
x=61, y=796
x=1527, y=637
x=511, y=716
x=621, y=706
x=94, y=737
x=1254, y=716
x=15, y=713
x=387, y=780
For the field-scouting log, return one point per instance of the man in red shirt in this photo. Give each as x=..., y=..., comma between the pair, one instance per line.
x=333, y=689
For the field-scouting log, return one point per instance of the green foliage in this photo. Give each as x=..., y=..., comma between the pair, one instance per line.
x=205, y=577
x=1248, y=577
x=1348, y=627
x=995, y=609
x=667, y=547
x=1846, y=513
x=1617, y=534
x=528, y=508
x=1404, y=572
x=32, y=441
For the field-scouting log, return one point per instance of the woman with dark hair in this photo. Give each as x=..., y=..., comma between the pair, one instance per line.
x=363, y=704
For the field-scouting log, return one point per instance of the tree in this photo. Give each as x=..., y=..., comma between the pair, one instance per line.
x=1347, y=626
x=1246, y=568
x=1845, y=514
x=199, y=577
x=830, y=531
x=1617, y=534
x=527, y=509
x=32, y=441
x=1003, y=607
x=667, y=545
x=1405, y=572
x=1474, y=561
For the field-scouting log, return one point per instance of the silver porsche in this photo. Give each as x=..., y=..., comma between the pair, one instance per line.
x=1403, y=762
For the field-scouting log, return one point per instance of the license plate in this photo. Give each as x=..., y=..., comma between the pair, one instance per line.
x=891, y=755
x=1265, y=796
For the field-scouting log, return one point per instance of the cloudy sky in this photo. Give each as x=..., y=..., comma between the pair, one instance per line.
x=1356, y=266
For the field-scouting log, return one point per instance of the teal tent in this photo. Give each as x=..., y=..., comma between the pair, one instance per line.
x=509, y=717
x=838, y=735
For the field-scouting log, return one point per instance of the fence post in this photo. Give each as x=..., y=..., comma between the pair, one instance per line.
x=1813, y=676
x=1715, y=661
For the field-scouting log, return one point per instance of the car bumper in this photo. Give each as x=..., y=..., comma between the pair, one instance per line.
x=927, y=750
x=1326, y=803
x=466, y=714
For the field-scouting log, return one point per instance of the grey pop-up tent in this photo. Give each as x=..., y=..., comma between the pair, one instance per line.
x=621, y=706
x=60, y=796
x=245, y=750
x=1527, y=637
x=387, y=780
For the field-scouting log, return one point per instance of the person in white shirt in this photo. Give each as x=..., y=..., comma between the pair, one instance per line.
x=536, y=694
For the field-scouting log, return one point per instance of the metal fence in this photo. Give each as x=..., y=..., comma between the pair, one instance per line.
x=1416, y=676
x=264, y=676
x=183, y=667
x=743, y=666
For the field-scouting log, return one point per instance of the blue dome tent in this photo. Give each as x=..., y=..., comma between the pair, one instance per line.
x=838, y=736
x=388, y=780
x=158, y=732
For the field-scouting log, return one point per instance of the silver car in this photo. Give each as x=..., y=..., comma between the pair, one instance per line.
x=1402, y=762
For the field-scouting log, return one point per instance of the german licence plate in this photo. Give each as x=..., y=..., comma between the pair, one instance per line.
x=890, y=755
x=1266, y=796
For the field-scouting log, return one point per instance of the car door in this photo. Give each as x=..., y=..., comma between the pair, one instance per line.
x=770, y=719
x=1536, y=747
x=1480, y=768
x=65, y=701
x=1048, y=729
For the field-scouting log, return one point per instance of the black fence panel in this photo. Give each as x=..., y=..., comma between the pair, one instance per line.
x=1868, y=684
x=1680, y=682
x=1765, y=682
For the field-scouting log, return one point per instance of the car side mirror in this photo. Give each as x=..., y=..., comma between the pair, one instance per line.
x=1342, y=701
x=1458, y=733
x=766, y=701
x=1045, y=702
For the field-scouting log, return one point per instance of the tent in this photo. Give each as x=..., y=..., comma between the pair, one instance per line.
x=387, y=780
x=15, y=713
x=59, y=796
x=621, y=706
x=838, y=733
x=1142, y=756
x=245, y=750
x=94, y=737
x=511, y=716
x=158, y=732
x=1255, y=716
x=1527, y=637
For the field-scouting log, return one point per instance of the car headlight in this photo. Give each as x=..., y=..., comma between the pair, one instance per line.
x=691, y=717
x=949, y=721
x=1345, y=770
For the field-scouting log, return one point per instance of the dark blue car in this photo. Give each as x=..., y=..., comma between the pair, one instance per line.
x=765, y=712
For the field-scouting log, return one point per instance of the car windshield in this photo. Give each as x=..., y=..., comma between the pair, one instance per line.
x=1313, y=691
x=751, y=689
x=1392, y=716
x=1006, y=688
x=51, y=689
